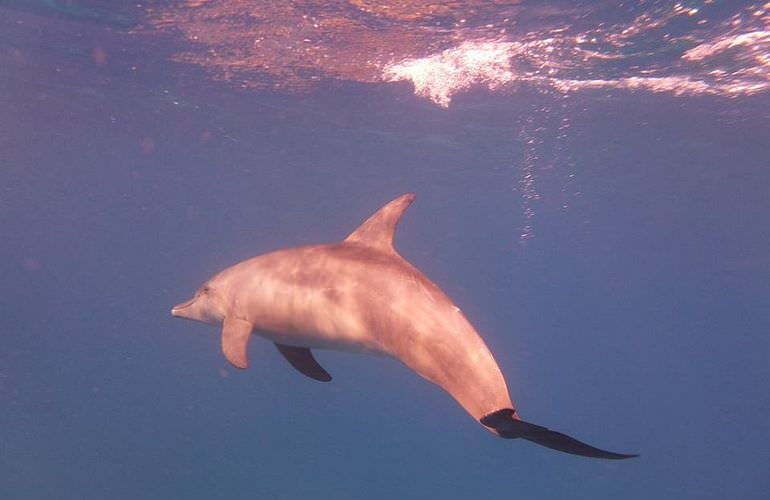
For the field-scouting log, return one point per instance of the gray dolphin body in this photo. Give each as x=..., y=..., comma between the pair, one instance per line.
x=361, y=295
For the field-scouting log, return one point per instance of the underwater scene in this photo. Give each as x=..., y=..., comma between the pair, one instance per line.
x=379, y=249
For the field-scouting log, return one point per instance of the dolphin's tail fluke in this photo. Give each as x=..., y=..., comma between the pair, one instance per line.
x=507, y=425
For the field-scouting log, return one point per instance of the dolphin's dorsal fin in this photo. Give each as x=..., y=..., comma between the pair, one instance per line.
x=377, y=231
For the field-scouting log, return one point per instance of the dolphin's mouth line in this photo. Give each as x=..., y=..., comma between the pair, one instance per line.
x=183, y=305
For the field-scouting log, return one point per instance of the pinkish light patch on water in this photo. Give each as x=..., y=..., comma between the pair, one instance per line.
x=733, y=61
x=440, y=76
x=709, y=49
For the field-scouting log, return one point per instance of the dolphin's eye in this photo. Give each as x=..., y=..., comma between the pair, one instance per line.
x=205, y=289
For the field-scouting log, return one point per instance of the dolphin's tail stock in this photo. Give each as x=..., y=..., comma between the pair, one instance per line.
x=510, y=427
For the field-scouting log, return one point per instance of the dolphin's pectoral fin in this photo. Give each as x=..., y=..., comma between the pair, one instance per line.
x=509, y=427
x=235, y=339
x=302, y=359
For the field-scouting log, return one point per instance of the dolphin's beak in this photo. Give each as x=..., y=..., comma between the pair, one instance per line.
x=179, y=309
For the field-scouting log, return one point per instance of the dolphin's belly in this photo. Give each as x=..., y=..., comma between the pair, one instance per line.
x=334, y=341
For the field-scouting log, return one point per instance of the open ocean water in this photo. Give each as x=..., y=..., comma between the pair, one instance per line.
x=593, y=190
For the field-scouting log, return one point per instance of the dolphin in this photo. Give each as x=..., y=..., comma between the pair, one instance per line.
x=360, y=295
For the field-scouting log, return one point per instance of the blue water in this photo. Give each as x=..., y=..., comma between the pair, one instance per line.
x=611, y=247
